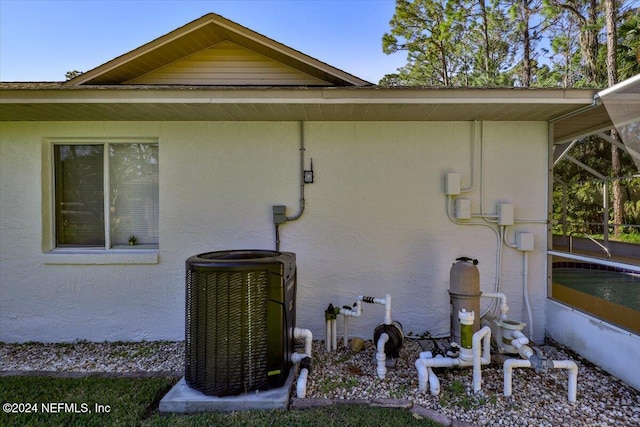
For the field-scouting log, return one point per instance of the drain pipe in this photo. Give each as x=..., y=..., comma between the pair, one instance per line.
x=304, y=359
x=569, y=365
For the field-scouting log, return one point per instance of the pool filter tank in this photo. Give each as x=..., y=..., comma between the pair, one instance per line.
x=464, y=294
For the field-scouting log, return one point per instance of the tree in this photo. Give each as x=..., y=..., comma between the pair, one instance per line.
x=587, y=14
x=629, y=45
x=610, y=13
x=429, y=31
x=72, y=74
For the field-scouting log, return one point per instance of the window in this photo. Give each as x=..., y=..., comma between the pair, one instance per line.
x=106, y=195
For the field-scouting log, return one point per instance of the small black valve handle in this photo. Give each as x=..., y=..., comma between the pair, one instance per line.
x=467, y=259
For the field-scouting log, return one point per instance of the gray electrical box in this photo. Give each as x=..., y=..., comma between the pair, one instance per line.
x=279, y=215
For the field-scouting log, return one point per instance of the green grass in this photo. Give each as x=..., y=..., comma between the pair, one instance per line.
x=134, y=402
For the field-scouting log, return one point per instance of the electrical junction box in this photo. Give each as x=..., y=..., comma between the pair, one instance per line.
x=524, y=241
x=452, y=184
x=463, y=209
x=505, y=214
x=279, y=214
x=308, y=177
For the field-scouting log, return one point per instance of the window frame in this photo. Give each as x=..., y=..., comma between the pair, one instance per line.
x=107, y=254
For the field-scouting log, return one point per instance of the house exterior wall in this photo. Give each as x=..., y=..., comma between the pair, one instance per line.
x=375, y=222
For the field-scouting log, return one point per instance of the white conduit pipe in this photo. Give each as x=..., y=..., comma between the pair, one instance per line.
x=301, y=385
x=525, y=289
x=381, y=356
x=481, y=340
x=570, y=365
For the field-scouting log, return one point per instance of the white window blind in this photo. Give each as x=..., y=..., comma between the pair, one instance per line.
x=134, y=193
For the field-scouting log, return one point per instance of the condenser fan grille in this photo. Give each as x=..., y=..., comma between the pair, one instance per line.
x=228, y=312
x=237, y=322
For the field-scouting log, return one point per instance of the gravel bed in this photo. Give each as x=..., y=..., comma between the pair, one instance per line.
x=539, y=399
x=85, y=356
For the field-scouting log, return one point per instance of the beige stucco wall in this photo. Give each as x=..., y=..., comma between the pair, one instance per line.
x=375, y=222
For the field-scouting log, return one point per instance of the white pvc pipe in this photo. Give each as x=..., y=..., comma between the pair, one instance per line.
x=504, y=308
x=345, y=338
x=387, y=309
x=297, y=357
x=353, y=312
x=525, y=289
x=308, y=338
x=481, y=351
x=386, y=301
x=572, y=384
x=570, y=365
x=328, y=339
x=346, y=312
x=426, y=374
x=520, y=342
x=480, y=359
x=301, y=385
x=381, y=356
x=334, y=335
x=434, y=382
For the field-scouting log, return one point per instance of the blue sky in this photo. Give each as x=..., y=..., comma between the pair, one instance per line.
x=40, y=40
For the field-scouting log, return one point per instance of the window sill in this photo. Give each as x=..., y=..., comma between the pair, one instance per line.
x=101, y=256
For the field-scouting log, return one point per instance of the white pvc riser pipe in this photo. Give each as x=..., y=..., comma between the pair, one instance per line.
x=570, y=365
x=381, y=356
x=481, y=355
x=301, y=385
x=328, y=335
